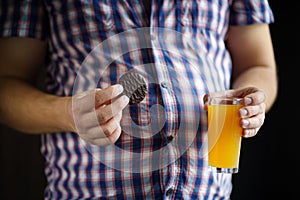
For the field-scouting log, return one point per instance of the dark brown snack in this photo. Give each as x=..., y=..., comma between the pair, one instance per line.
x=135, y=86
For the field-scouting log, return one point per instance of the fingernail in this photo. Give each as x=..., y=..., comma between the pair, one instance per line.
x=118, y=89
x=248, y=101
x=243, y=112
x=125, y=98
x=245, y=123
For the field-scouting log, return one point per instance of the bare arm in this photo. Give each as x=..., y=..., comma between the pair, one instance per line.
x=253, y=60
x=22, y=106
x=27, y=109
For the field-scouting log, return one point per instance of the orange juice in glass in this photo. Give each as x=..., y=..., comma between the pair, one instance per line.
x=224, y=134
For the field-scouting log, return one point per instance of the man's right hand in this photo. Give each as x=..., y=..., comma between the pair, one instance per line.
x=97, y=114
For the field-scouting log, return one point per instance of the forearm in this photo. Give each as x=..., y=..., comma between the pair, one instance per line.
x=25, y=108
x=264, y=78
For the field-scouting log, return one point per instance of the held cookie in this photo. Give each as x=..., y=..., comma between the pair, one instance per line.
x=135, y=86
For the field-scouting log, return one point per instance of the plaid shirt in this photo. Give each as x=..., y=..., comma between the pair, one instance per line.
x=162, y=152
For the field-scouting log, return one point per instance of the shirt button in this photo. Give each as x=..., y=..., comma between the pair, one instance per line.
x=169, y=191
x=170, y=138
x=164, y=84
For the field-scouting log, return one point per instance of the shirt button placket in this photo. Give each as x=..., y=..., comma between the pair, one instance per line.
x=164, y=85
x=170, y=190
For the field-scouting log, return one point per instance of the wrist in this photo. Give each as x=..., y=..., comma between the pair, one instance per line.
x=69, y=124
x=63, y=117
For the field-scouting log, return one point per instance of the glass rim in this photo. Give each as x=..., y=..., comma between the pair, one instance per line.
x=225, y=100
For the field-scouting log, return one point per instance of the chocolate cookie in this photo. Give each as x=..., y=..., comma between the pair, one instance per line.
x=135, y=86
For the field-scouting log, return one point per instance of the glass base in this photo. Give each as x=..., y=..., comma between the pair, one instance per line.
x=224, y=170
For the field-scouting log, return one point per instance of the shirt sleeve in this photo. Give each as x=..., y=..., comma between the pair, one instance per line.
x=23, y=19
x=246, y=12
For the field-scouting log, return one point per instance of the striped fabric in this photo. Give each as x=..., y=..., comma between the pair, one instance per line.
x=179, y=47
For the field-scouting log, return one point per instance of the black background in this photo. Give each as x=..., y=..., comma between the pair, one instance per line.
x=269, y=165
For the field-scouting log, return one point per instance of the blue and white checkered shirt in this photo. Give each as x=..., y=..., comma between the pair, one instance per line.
x=179, y=46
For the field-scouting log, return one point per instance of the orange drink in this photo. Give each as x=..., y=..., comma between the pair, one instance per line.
x=224, y=134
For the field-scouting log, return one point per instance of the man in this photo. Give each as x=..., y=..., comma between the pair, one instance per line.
x=96, y=145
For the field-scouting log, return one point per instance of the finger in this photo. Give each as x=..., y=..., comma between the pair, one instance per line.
x=107, y=112
x=107, y=140
x=253, y=122
x=96, y=131
x=85, y=121
x=247, y=133
x=205, y=100
x=105, y=95
x=257, y=97
x=115, y=135
x=118, y=117
x=249, y=111
x=109, y=128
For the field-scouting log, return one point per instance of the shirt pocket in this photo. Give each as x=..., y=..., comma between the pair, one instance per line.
x=202, y=14
x=95, y=16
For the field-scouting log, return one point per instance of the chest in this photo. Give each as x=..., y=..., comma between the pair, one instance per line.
x=106, y=14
